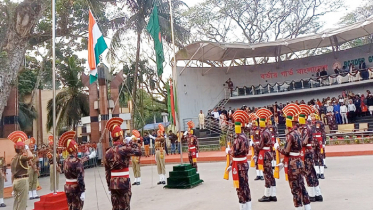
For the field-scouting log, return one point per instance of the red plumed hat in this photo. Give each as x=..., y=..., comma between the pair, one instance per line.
x=113, y=125
x=18, y=138
x=67, y=141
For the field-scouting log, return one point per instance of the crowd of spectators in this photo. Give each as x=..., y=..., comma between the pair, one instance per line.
x=341, y=109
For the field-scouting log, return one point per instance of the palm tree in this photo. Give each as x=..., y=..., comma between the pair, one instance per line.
x=26, y=115
x=72, y=102
x=141, y=10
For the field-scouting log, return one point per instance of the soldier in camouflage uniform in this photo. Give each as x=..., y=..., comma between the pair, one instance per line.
x=2, y=180
x=294, y=166
x=319, y=136
x=192, y=146
x=266, y=156
x=74, y=172
x=117, y=160
x=255, y=134
x=239, y=165
x=308, y=154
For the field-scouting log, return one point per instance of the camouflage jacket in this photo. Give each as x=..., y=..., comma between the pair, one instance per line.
x=293, y=143
x=74, y=169
x=117, y=158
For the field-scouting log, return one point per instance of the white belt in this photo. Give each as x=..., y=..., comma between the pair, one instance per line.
x=192, y=147
x=266, y=148
x=240, y=159
x=256, y=142
x=71, y=180
x=317, y=135
x=309, y=145
x=120, y=173
x=294, y=153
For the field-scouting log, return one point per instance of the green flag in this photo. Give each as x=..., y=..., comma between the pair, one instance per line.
x=155, y=31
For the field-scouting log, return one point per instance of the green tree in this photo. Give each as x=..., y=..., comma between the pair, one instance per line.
x=26, y=84
x=359, y=14
x=26, y=25
x=254, y=21
x=71, y=102
x=140, y=12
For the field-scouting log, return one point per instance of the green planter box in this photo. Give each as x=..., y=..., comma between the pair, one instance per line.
x=183, y=177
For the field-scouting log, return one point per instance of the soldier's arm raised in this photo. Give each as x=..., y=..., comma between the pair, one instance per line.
x=80, y=178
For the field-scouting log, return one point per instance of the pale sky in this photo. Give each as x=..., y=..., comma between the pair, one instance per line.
x=330, y=21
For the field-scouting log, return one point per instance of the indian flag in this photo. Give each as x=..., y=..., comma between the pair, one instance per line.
x=96, y=46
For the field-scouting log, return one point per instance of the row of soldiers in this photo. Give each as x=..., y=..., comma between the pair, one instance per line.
x=25, y=168
x=304, y=153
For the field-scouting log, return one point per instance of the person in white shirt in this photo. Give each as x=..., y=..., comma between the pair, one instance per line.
x=201, y=120
x=351, y=112
x=343, y=110
x=330, y=108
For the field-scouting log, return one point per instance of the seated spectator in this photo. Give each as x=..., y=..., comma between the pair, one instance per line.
x=324, y=72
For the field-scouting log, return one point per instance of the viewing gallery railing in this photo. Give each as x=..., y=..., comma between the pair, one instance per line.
x=329, y=80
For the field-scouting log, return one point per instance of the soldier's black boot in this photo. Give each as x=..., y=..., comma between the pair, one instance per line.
x=322, y=176
x=262, y=178
x=312, y=199
x=257, y=178
x=273, y=198
x=319, y=198
x=264, y=199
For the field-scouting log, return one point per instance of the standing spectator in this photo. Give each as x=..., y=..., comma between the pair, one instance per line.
x=370, y=102
x=351, y=112
x=230, y=112
x=337, y=113
x=216, y=115
x=363, y=70
x=224, y=111
x=230, y=85
x=357, y=103
x=223, y=122
x=152, y=137
x=201, y=120
x=146, y=144
x=343, y=110
x=364, y=107
x=340, y=99
x=330, y=108
x=173, y=139
x=165, y=144
x=323, y=113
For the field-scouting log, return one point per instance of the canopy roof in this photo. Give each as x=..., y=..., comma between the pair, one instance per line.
x=213, y=51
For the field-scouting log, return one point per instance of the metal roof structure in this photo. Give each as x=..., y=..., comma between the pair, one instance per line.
x=220, y=52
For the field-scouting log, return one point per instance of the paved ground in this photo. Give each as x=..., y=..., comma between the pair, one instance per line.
x=348, y=185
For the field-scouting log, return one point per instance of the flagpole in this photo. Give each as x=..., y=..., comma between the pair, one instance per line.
x=54, y=92
x=174, y=81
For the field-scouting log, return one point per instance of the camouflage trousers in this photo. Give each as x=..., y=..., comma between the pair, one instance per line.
x=121, y=198
x=256, y=153
x=309, y=170
x=268, y=171
x=244, y=191
x=296, y=182
x=194, y=165
x=74, y=202
x=318, y=156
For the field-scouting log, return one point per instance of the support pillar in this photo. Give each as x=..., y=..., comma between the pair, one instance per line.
x=114, y=92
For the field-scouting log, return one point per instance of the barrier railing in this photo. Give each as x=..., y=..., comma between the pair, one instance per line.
x=329, y=80
x=44, y=165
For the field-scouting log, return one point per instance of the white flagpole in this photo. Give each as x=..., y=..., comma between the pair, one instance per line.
x=174, y=83
x=54, y=92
